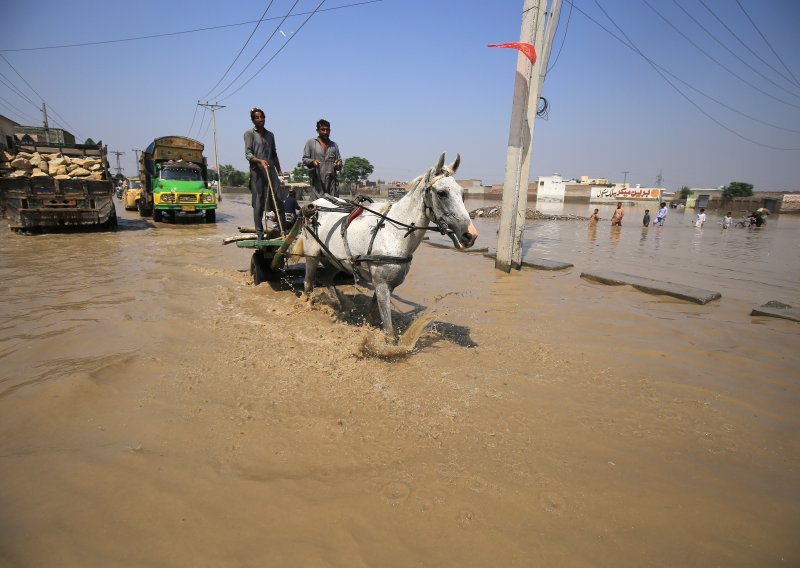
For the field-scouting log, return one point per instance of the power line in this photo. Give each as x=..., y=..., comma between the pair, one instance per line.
x=563, y=39
x=766, y=41
x=630, y=45
x=41, y=98
x=240, y=52
x=262, y=49
x=194, y=115
x=712, y=58
x=746, y=46
x=18, y=112
x=277, y=52
x=8, y=83
x=137, y=38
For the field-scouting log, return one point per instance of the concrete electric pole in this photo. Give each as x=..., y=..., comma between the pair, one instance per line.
x=625, y=179
x=527, y=85
x=213, y=108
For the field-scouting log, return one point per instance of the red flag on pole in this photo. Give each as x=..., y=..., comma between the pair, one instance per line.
x=526, y=48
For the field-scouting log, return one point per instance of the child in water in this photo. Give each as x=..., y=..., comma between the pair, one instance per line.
x=701, y=219
x=727, y=221
x=646, y=219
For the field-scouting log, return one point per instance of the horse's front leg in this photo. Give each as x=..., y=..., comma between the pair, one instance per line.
x=383, y=296
x=311, y=273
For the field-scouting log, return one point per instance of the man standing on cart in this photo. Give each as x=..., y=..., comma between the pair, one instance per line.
x=322, y=158
x=265, y=169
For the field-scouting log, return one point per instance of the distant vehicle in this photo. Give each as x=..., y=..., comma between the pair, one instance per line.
x=56, y=185
x=131, y=193
x=175, y=180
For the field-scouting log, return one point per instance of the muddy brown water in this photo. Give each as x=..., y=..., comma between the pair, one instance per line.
x=157, y=409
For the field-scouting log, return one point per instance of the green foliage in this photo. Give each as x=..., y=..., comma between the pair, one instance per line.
x=737, y=189
x=685, y=192
x=299, y=173
x=231, y=177
x=356, y=170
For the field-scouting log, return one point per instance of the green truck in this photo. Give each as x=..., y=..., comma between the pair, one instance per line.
x=49, y=184
x=175, y=175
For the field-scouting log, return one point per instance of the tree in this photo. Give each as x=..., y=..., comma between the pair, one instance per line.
x=230, y=176
x=356, y=170
x=299, y=173
x=737, y=189
x=685, y=192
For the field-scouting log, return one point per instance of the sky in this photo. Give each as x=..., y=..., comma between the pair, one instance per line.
x=698, y=92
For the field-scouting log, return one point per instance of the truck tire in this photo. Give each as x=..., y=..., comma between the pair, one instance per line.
x=259, y=268
x=158, y=215
x=211, y=215
x=142, y=207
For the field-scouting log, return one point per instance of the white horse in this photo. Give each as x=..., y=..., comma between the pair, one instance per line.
x=377, y=245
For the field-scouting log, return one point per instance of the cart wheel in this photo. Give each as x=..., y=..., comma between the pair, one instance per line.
x=259, y=268
x=158, y=214
x=211, y=215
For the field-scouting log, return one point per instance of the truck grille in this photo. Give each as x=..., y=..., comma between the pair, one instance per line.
x=191, y=198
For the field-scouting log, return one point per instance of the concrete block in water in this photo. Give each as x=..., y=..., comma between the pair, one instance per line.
x=539, y=263
x=777, y=309
x=650, y=286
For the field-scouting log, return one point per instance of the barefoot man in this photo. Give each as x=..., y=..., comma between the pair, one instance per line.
x=616, y=218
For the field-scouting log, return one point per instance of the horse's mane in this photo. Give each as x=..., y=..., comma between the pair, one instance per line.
x=413, y=183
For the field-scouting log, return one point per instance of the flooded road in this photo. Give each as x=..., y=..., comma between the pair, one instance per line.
x=158, y=409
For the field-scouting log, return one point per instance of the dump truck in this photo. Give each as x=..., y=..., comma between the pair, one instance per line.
x=175, y=180
x=51, y=185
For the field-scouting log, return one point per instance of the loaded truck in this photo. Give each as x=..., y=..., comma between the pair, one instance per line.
x=52, y=185
x=175, y=180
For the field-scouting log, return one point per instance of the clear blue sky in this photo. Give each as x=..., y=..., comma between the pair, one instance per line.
x=403, y=80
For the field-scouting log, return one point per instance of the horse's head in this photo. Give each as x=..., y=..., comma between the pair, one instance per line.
x=444, y=201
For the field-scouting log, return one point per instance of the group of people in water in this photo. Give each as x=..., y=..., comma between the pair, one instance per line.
x=755, y=219
x=320, y=155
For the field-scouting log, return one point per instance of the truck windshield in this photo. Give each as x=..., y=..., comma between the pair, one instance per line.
x=134, y=184
x=180, y=174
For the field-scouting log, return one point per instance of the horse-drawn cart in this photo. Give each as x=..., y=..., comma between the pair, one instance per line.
x=268, y=262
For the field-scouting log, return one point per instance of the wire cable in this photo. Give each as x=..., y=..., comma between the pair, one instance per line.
x=151, y=36
x=563, y=39
x=747, y=47
x=294, y=35
x=772, y=49
x=630, y=45
x=240, y=51
x=289, y=13
x=715, y=60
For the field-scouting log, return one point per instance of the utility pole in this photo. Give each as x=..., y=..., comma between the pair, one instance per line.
x=213, y=108
x=44, y=114
x=119, y=168
x=527, y=85
x=625, y=179
x=136, y=151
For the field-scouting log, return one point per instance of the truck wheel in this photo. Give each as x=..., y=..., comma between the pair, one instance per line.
x=143, y=211
x=259, y=268
x=111, y=224
x=158, y=214
x=211, y=215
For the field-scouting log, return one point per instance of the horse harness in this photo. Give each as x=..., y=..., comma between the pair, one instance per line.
x=355, y=208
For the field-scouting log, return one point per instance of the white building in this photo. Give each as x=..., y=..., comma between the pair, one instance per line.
x=550, y=189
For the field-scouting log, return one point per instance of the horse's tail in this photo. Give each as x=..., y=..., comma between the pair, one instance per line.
x=295, y=251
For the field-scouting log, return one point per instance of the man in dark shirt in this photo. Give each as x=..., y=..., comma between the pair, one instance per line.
x=291, y=208
x=260, y=151
x=322, y=158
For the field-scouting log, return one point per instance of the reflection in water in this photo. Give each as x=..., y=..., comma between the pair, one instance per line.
x=592, y=232
x=643, y=237
x=615, y=234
